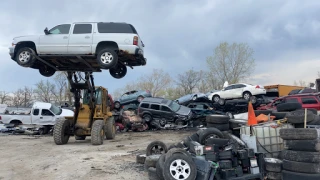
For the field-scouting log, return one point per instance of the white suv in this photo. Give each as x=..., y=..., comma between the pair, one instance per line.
x=85, y=46
x=236, y=91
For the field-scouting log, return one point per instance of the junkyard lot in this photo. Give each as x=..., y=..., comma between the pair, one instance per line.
x=30, y=157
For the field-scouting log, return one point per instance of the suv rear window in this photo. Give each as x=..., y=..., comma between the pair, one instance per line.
x=116, y=28
x=155, y=107
x=144, y=105
x=82, y=29
x=309, y=100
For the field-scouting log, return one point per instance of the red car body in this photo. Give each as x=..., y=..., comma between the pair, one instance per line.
x=309, y=100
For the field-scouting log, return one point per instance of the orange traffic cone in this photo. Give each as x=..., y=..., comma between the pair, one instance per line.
x=252, y=119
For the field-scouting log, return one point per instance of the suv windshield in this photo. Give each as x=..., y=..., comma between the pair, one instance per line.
x=56, y=110
x=174, y=106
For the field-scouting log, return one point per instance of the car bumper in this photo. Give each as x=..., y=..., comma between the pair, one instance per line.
x=11, y=51
x=259, y=92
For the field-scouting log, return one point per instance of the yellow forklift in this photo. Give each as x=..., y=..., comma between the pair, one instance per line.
x=92, y=117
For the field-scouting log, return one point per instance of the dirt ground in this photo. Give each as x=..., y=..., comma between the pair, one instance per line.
x=37, y=157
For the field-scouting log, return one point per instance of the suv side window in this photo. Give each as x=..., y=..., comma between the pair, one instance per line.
x=82, y=29
x=36, y=112
x=155, y=107
x=165, y=108
x=46, y=112
x=144, y=105
x=294, y=100
x=309, y=100
x=61, y=29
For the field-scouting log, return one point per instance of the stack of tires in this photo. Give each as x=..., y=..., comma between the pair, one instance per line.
x=220, y=122
x=297, y=118
x=273, y=168
x=301, y=159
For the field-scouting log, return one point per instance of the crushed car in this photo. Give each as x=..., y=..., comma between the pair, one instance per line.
x=131, y=97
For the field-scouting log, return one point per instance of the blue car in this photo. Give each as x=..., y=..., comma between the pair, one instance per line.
x=135, y=96
x=190, y=97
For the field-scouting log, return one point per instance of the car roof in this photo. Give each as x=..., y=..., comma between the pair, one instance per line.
x=303, y=94
x=100, y=22
x=155, y=100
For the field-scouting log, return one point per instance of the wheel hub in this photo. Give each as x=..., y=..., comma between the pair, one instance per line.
x=106, y=58
x=24, y=56
x=180, y=169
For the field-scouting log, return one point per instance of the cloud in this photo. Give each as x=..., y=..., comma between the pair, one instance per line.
x=179, y=35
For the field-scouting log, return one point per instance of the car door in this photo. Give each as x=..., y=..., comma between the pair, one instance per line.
x=226, y=93
x=46, y=117
x=56, y=42
x=237, y=91
x=80, y=40
x=166, y=112
x=155, y=108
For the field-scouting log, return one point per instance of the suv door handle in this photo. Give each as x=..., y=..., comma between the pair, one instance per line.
x=65, y=37
x=87, y=37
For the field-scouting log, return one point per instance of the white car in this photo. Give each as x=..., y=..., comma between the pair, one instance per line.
x=236, y=91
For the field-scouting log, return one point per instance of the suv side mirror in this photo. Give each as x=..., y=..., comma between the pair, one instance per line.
x=46, y=31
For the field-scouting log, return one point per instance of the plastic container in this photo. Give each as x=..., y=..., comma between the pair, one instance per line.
x=268, y=138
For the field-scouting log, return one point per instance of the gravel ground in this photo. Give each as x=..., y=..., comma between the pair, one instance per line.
x=37, y=157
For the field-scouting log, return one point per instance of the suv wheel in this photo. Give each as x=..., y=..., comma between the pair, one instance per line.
x=119, y=71
x=24, y=57
x=46, y=71
x=147, y=117
x=107, y=58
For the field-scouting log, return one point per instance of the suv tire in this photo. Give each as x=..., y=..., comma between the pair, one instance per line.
x=107, y=58
x=46, y=71
x=24, y=57
x=118, y=71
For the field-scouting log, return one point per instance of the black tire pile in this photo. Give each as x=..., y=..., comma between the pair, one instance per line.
x=301, y=159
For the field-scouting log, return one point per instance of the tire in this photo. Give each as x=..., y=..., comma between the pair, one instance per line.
x=159, y=166
x=209, y=133
x=287, y=107
x=265, y=112
x=221, y=127
x=301, y=156
x=246, y=95
x=273, y=165
x=314, y=111
x=24, y=57
x=215, y=98
x=80, y=137
x=302, y=167
x=151, y=161
x=107, y=58
x=46, y=71
x=141, y=158
x=274, y=176
x=97, y=132
x=217, y=119
x=152, y=173
x=279, y=115
x=174, y=151
x=288, y=175
x=194, y=137
x=299, y=134
x=119, y=71
x=156, y=147
x=222, y=102
x=303, y=145
x=117, y=105
x=316, y=121
x=178, y=159
x=59, y=132
x=297, y=116
x=147, y=117
x=110, y=128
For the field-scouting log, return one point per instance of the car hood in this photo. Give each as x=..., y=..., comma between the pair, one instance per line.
x=66, y=112
x=183, y=111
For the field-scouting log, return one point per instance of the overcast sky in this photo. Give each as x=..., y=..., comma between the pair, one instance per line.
x=179, y=34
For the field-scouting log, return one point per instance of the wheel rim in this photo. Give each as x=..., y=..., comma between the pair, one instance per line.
x=157, y=149
x=162, y=122
x=216, y=99
x=106, y=58
x=147, y=118
x=180, y=169
x=24, y=56
x=246, y=96
x=194, y=98
x=118, y=72
x=253, y=99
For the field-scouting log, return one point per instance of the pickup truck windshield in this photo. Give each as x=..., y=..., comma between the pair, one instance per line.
x=56, y=110
x=174, y=106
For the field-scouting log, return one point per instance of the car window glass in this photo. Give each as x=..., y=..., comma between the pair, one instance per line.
x=82, y=29
x=205, y=107
x=144, y=105
x=309, y=100
x=116, y=28
x=229, y=87
x=60, y=29
x=46, y=112
x=199, y=106
x=165, y=108
x=36, y=112
x=294, y=100
x=155, y=107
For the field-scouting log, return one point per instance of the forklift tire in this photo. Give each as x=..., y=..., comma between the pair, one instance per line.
x=59, y=132
x=80, y=137
x=97, y=132
x=110, y=128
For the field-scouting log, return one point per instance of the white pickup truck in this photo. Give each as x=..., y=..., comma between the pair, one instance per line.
x=44, y=114
x=83, y=46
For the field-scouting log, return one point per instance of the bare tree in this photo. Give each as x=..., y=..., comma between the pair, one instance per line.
x=174, y=93
x=128, y=87
x=300, y=83
x=188, y=81
x=28, y=96
x=231, y=63
x=156, y=82
x=45, y=90
x=4, y=97
x=19, y=97
x=206, y=82
x=61, y=86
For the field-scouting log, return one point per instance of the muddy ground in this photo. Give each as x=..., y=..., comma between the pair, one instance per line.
x=37, y=157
